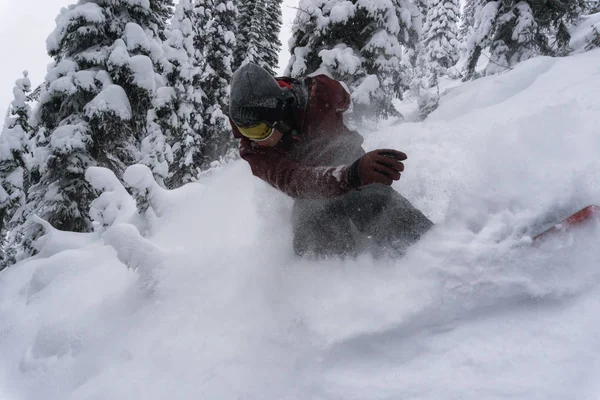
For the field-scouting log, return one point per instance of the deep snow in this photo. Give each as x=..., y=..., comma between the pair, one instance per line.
x=214, y=305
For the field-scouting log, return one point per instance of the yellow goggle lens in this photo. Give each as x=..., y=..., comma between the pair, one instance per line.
x=256, y=132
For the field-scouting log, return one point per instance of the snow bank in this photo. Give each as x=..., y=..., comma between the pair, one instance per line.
x=215, y=305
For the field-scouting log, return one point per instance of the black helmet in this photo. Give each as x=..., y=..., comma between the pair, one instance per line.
x=256, y=97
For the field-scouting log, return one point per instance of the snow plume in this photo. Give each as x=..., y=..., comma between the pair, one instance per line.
x=212, y=302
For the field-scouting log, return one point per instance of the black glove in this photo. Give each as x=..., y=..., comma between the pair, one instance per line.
x=377, y=166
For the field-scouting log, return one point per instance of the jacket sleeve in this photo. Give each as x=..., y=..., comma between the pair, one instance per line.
x=294, y=179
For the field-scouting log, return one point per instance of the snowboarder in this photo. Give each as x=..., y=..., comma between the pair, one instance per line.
x=294, y=138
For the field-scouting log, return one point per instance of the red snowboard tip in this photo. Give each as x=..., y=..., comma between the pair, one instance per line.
x=567, y=224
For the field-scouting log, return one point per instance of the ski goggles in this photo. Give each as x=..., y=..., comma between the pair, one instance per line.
x=257, y=132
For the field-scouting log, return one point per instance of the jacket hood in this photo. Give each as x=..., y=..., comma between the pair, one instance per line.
x=254, y=93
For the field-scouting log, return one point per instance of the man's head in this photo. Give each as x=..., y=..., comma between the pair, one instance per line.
x=257, y=103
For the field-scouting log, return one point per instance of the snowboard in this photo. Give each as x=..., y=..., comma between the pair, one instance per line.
x=580, y=218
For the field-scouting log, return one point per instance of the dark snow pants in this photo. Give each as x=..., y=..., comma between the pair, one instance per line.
x=374, y=217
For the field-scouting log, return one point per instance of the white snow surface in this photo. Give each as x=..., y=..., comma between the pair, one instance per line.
x=215, y=305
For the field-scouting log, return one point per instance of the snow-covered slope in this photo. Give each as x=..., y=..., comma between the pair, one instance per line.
x=214, y=305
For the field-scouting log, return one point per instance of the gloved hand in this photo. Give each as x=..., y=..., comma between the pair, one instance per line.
x=377, y=166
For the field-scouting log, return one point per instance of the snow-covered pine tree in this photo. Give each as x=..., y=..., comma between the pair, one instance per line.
x=186, y=100
x=216, y=75
x=257, y=36
x=247, y=33
x=14, y=165
x=270, y=43
x=554, y=17
x=202, y=14
x=440, y=42
x=145, y=60
x=515, y=31
x=467, y=18
x=95, y=107
x=358, y=43
x=422, y=6
x=515, y=39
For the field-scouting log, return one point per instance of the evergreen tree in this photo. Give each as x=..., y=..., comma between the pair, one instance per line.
x=361, y=44
x=515, y=31
x=202, y=14
x=422, y=6
x=257, y=37
x=515, y=39
x=271, y=45
x=14, y=164
x=216, y=75
x=467, y=20
x=187, y=105
x=440, y=43
x=95, y=107
x=247, y=34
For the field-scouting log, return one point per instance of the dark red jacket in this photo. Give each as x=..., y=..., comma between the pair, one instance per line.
x=314, y=161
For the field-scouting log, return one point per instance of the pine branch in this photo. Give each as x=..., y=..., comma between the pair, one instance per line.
x=498, y=64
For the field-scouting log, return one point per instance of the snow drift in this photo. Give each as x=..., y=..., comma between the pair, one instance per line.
x=213, y=303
